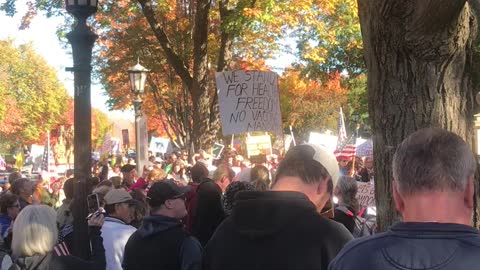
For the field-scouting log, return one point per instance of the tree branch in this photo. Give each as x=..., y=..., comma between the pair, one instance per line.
x=171, y=124
x=173, y=59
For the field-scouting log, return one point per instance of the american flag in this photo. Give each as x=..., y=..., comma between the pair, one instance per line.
x=48, y=163
x=345, y=145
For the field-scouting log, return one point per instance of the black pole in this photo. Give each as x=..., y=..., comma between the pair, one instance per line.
x=82, y=39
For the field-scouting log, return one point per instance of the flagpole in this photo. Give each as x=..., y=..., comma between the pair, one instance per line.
x=293, y=137
x=48, y=151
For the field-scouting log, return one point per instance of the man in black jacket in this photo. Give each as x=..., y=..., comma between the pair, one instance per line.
x=433, y=188
x=282, y=229
x=161, y=242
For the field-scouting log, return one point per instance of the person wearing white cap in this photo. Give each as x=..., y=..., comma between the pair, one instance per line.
x=282, y=229
x=115, y=230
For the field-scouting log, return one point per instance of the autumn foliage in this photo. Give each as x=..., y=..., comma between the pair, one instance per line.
x=310, y=105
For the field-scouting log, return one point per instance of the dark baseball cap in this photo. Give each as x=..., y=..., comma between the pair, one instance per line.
x=165, y=190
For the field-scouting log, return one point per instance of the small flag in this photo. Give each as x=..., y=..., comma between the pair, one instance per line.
x=48, y=162
x=19, y=160
x=342, y=132
x=345, y=145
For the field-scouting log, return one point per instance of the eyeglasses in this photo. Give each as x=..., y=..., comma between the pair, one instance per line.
x=15, y=206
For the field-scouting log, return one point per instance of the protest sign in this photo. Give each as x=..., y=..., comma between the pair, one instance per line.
x=217, y=150
x=366, y=194
x=159, y=145
x=248, y=101
x=258, y=145
x=106, y=147
x=327, y=141
x=36, y=155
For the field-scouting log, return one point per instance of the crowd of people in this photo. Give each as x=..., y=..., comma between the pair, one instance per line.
x=273, y=214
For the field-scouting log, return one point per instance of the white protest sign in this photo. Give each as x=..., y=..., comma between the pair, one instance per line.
x=159, y=145
x=325, y=140
x=106, y=146
x=366, y=194
x=248, y=101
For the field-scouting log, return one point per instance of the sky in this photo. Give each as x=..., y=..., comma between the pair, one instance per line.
x=46, y=43
x=43, y=37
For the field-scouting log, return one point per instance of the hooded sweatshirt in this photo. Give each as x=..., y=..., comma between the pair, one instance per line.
x=162, y=243
x=274, y=230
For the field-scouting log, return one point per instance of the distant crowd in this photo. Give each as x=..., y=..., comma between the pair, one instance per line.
x=236, y=214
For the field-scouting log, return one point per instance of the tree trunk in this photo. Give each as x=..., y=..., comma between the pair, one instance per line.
x=205, y=118
x=419, y=57
x=203, y=135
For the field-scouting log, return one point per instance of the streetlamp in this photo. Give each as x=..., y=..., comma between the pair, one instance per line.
x=138, y=76
x=82, y=39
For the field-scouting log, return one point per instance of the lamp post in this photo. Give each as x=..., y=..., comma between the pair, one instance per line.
x=138, y=76
x=82, y=40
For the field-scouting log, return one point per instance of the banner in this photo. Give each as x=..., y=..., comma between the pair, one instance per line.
x=258, y=145
x=248, y=101
x=366, y=194
x=159, y=145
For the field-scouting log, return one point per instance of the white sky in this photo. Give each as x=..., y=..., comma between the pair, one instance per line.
x=42, y=34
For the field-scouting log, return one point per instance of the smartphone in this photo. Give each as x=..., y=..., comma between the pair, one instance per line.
x=93, y=203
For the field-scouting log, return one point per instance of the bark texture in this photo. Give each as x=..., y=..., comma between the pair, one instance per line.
x=419, y=57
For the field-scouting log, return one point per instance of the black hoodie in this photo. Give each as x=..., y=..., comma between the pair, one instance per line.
x=162, y=243
x=274, y=230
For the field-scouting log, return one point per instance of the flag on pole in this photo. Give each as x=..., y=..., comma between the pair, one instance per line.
x=342, y=132
x=48, y=162
x=345, y=145
x=19, y=160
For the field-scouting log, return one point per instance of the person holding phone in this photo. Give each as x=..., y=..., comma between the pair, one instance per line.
x=116, y=230
x=35, y=235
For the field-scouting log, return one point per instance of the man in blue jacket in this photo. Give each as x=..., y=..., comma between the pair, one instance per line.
x=433, y=189
x=161, y=241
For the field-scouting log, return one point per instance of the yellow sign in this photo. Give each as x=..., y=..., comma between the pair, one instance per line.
x=259, y=145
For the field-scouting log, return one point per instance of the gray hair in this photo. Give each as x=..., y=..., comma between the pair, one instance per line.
x=432, y=159
x=347, y=187
x=34, y=231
